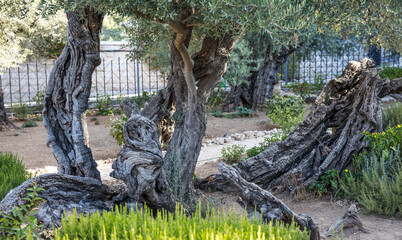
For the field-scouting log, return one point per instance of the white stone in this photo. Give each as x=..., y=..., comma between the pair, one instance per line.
x=249, y=134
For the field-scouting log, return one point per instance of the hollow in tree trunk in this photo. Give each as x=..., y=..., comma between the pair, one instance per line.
x=67, y=94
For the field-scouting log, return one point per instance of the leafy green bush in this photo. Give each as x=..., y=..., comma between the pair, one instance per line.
x=392, y=115
x=254, y=151
x=305, y=89
x=12, y=173
x=21, y=111
x=376, y=183
x=327, y=182
x=215, y=99
x=377, y=179
x=103, y=105
x=29, y=123
x=244, y=111
x=117, y=125
x=142, y=224
x=21, y=224
x=287, y=111
x=233, y=154
x=391, y=72
x=39, y=98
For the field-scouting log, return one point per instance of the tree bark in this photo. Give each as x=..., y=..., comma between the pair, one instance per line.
x=67, y=95
x=63, y=193
x=4, y=121
x=140, y=163
x=267, y=75
x=261, y=202
x=260, y=84
x=349, y=105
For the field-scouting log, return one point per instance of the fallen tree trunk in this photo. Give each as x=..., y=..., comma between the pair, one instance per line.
x=348, y=106
x=62, y=194
x=261, y=202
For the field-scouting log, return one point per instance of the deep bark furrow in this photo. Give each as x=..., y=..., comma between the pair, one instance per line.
x=67, y=95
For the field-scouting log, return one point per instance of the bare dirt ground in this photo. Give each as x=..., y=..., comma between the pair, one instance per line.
x=30, y=145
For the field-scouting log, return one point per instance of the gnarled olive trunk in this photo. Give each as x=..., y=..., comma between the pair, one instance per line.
x=67, y=95
x=260, y=84
x=194, y=79
x=4, y=121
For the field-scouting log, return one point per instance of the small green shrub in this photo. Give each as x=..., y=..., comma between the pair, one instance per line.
x=103, y=105
x=93, y=119
x=21, y=111
x=233, y=154
x=305, y=89
x=117, y=125
x=391, y=72
x=215, y=100
x=386, y=141
x=144, y=224
x=287, y=111
x=244, y=111
x=20, y=223
x=218, y=113
x=97, y=122
x=376, y=183
x=329, y=181
x=254, y=151
x=29, y=123
x=392, y=115
x=12, y=173
x=39, y=98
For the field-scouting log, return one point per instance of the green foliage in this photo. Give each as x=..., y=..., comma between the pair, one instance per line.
x=244, y=111
x=215, y=99
x=21, y=111
x=12, y=173
x=97, y=122
x=329, y=181
x=144, y=224
x=38, y=98
x=103, y=105
x=391, y=72
x=377, y=179
x=287, y=111
x=117, y=126
x=113, y=29
x=20, y=223
x=29, y=123
x=376, y=183
x=233, y=154
x=93, y=119
x=239, y=64
x=305, y=89
x=254, y=151
x=392, y=115
x=142, y=99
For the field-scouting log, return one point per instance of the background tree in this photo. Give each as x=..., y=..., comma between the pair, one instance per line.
x=28, y=30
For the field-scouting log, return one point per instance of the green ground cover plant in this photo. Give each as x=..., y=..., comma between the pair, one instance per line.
x=392, y=115
x=391, y=72
x=103, y=105
x=12, y=173
x=21, y=111
x=287, y=111
x=29, y=123
x=305, y=89
x=376, y=182
x=254, y=151
x=141, y=224
x=20, y=223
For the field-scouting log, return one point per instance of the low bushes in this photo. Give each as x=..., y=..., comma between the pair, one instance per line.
x=233, y=154
x=391, y=72
x=141, y=224
x=12, y=173
x=287, y=111
x=392, y=115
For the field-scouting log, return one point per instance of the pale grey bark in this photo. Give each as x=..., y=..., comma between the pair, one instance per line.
x=67, y=94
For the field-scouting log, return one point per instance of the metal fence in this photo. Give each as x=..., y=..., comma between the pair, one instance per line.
x=115, y=78
x=124, y=77
x=326, y=66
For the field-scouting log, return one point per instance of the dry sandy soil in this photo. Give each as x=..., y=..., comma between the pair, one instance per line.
x=30, y=145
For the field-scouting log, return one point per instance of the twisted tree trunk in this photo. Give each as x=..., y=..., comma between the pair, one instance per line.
x=349, y=105
x=4, y=121
x=67, y=95
x=260, y=85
